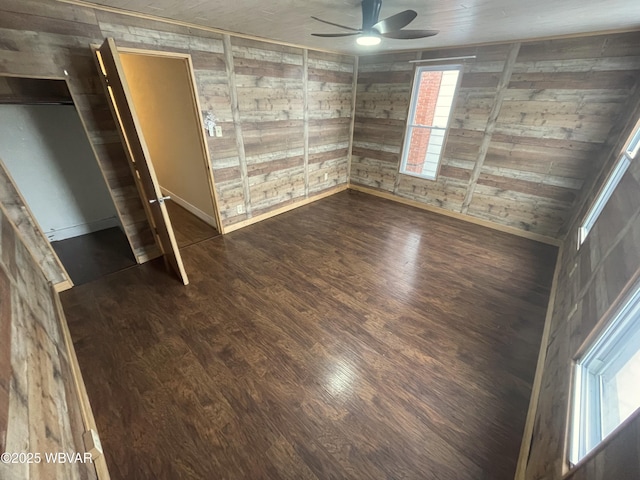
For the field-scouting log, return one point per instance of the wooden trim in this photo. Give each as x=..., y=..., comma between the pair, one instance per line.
x=130, y=130
x=171, y=21
x=352, y=126
x=62, y=286
x=527, y=436
x=305, y=107
x=35, y=77
x=237, y=123
x=467, y=218
x=396, y=181
x=152, y=53
x=97, y=56
x=285, y=209
x=194, y=94
x=66, y=282
x=83, y=399
x=492, y=121
x=88, y=419
x=203, y=143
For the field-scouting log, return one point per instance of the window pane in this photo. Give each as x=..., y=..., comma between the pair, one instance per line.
x=431, y=105
x=424, y=149
x=621, y=394
x=607, y=380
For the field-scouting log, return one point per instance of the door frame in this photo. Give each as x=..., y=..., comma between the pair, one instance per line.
x=193, y=92
x=114, y=81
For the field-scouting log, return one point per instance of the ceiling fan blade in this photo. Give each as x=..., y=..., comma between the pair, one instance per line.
x=335, y=24
x=335, y=34
x=410, y=34
x=395, y=22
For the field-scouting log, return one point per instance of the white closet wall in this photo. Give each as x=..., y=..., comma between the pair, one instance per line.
x=46, y=151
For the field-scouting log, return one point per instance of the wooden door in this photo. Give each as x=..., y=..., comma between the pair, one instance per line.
x=129, y=126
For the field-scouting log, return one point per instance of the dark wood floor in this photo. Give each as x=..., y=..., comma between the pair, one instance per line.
x=188, y=228
x=351, y=338
x=94, y=255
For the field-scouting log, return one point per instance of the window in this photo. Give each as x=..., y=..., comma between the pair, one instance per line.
x=606, y=389
x=434, y=90
x=628, y=154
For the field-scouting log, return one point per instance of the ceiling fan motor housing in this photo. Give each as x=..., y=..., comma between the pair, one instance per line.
x=370, y=13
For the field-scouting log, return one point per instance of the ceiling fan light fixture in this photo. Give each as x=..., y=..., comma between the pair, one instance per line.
x=368, y=40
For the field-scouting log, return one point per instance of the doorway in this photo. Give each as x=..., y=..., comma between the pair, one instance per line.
x=155, y=105
x=46, y=154
x=162, y=90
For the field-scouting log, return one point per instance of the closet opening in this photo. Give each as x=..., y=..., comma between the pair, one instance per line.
x=50, y=167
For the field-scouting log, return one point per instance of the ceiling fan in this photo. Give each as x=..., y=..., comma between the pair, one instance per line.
x=372, y=28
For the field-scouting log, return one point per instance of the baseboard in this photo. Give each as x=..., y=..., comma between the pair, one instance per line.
x=77, y=230
x=62, y=286
x=279, y=211
x=208, y=219
x=459, y=216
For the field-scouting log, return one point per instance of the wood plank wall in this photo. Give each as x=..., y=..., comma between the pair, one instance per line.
x=34, y=238
x=263, y=161
x=561, y=101
x=591, y=280
x=43, y=409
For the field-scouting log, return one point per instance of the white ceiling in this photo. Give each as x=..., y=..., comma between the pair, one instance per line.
x=461, y=22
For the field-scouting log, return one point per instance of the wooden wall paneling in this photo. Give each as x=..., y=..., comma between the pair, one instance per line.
x=43, y=408
x=64, y=34
x=305, y=109
x=559, y=113
x=352, y=126
x=269, y=84
x=536, y=388
x=77, y=392
x=20, y=214
x=492, y=119
x=205, y=146
x=331, y=95
x=592, y=281
x=235, y=111
x=215, y=98
x=6, y=371
x=382, y=102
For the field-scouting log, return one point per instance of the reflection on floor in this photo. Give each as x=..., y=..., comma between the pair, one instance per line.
x=94, y=255
x=188, y=228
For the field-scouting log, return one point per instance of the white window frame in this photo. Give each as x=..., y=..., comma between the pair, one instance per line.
x=629, y=152
x=412, y=112
x=617, y=343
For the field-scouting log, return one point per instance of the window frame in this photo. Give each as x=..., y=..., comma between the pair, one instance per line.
x=415, y=88
x=628, y=154
x=606, y=353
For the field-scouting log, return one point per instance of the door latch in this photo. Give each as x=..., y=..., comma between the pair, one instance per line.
x=160, y=200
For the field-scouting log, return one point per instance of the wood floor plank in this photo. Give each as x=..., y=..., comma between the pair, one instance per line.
x=351, y=338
